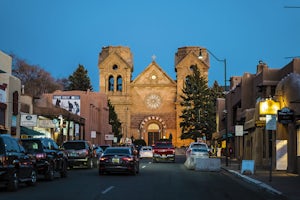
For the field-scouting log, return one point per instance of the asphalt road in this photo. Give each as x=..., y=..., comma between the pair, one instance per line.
x=154, y=182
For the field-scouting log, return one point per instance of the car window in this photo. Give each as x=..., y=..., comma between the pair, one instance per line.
x=117, y=151
x=2, y=148
x=10, y=145
x=32, y=146
x=74, y=145
x=198, y=146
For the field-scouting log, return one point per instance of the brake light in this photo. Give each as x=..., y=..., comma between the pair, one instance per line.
x=103, y=158
x=3, y=160
x=128, y=159
x=40, y=156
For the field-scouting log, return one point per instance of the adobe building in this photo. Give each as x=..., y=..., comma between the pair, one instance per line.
x=85, y=116
x=10, y=88
x=266, y=105
x=149, y=105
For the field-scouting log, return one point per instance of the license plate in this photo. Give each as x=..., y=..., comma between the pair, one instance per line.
x=116, y=160
x=164, y=156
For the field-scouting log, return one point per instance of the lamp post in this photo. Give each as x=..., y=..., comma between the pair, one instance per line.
x=225, y=89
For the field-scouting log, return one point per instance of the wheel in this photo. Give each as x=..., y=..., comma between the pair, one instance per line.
x=64, y=170
x=101, y=172
x=154, y=160
x=33, y=179
x=50, y=173
x=90, y=163
x=13, y=182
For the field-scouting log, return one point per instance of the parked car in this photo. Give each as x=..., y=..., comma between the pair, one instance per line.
x=50, y=159
x=80, y=153
x=104, y=146
x=146, y=152
x=119, y=159
x=198, y=149
x=15, y=166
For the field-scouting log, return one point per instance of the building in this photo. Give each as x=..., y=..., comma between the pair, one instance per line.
x=149, y=105
x=10, y=89
x=266, y=105
x=87, y=105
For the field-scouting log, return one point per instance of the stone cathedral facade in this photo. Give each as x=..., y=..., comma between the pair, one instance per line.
x=148, y=106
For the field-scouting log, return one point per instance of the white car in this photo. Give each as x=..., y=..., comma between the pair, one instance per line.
x=198, y=149
x=146, y=152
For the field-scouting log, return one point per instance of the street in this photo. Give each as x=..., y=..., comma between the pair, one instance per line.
x=155, y=181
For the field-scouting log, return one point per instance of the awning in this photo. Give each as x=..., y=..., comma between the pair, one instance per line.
x=30, y=132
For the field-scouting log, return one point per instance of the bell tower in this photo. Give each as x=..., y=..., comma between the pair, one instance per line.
x=115, y=73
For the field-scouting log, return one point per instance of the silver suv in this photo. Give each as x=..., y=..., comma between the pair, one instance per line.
x=80, y=153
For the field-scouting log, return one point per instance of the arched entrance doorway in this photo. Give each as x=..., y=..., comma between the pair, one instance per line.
x=152, y=129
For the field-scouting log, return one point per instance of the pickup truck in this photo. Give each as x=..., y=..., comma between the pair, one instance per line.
x=163, y=151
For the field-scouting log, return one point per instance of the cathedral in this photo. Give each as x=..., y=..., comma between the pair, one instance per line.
x=148, y=106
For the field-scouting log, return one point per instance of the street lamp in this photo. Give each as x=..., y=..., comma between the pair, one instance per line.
x=225, y=89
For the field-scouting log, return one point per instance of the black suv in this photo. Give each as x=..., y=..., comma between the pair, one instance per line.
x=80, y=153
x=15, y=166
x=49, y=157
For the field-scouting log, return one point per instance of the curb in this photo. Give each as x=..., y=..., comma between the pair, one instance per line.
x=258, y=183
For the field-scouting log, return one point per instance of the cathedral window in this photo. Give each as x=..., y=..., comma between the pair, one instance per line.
x=111, y=81
x=115, y=67
x=119, y=83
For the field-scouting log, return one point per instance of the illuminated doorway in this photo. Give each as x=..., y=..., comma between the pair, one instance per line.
x=153, y=133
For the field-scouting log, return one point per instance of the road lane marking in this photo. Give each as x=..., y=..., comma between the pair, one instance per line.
x=107, y=189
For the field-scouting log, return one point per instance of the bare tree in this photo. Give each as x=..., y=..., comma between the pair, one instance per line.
x=36, y=80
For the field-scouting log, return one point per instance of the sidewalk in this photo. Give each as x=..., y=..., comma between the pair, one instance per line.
x=277, y=182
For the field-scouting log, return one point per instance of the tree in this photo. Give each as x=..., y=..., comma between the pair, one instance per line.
x=114, y=121
x=79, y=80
x=35, y=80
x=198, y=115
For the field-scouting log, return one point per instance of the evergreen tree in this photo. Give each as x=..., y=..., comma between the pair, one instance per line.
x=114, y=121
x=198, y=115
x=79, y=80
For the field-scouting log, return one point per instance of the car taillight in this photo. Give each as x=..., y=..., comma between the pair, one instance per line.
x=3, y=160
x=103, y=158
x=127, y=159
x=40, y=156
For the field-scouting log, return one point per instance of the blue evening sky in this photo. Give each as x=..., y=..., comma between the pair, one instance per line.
x=58, y=35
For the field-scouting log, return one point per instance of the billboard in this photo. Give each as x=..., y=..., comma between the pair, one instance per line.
x=68, y=102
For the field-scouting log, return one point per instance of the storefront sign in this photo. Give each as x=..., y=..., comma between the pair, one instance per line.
x=268, y=107
x=28, y=120
x=285, y=115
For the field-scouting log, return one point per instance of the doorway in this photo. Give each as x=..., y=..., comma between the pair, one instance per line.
x=152, y=137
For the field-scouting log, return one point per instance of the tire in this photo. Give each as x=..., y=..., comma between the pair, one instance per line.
x=50, y=173
x=90, y=163
x=64, y=170
x=101, y=172
x=13, y=182
x=33, y=179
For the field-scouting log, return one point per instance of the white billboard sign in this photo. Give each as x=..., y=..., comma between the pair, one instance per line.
x=28, y=120
x=68, y=102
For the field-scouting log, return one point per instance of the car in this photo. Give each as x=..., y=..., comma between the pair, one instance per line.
x=146, y=152
x=15, y=166
x=163, y=151
x=198, y=149
x=119, y=159
x=80, y=153
x=104, y=146
x=50, y=159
